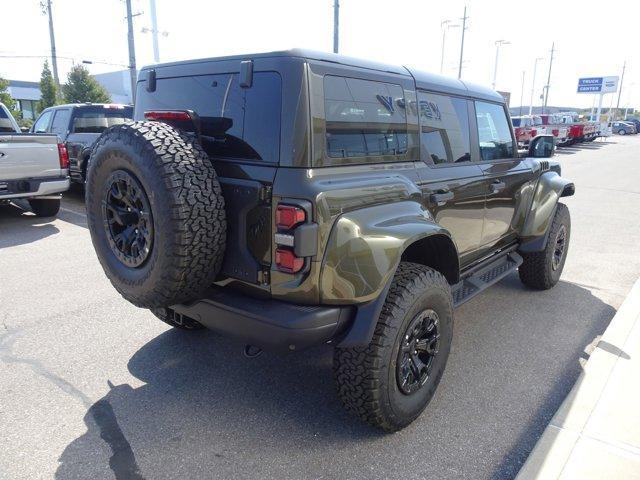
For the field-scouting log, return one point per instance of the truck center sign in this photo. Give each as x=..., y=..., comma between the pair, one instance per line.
x=598, y=85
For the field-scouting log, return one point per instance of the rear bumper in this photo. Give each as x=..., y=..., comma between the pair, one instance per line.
x=33, y=187
x=268, y=324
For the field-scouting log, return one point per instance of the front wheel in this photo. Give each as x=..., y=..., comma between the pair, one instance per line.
x=621, y=132
x=542, y=270
x=45, y=207
x=390, y=382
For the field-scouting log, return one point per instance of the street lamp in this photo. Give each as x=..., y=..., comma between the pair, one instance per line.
x=533, y=84
x=445, y=25
x=499, y=43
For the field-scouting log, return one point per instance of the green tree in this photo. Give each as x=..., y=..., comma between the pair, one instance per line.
x=82, y=87
x=48, y=88
x=5, y=96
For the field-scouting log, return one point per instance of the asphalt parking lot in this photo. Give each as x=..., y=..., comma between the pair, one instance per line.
x=92, y=387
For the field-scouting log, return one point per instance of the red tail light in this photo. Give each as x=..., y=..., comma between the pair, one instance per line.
x=167, y=115
x=288, y=216
x=63, y=156
x=555, y=132
x=287, y=262
x=534, y=132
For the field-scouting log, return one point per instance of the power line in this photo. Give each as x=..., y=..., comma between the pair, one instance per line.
x=336, y=24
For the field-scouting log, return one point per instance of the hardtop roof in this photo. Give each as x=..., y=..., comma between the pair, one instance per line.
x=423, y=80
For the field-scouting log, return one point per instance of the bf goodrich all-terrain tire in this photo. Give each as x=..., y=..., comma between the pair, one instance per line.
x=45, y=207
x=542, y=270
x=390, y=382
x=155, y=212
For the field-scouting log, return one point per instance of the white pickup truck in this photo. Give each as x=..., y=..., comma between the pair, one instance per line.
x=32, y=166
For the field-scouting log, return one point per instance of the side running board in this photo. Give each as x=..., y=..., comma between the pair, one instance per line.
x=484, y=277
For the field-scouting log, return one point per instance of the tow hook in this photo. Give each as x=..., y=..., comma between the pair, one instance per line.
x=251, y=351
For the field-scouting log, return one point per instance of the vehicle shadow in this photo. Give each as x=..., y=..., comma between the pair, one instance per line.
x=205, y=411
x=18, y=226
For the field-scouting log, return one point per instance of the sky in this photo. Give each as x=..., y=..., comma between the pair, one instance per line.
x=592, y=38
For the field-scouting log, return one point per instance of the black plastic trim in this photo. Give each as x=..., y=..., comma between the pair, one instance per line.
x=267, y=323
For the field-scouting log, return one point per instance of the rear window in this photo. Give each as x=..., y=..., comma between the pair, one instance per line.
x=237, y=123
x=364, y=118
x=97, y=121
x=5, y=122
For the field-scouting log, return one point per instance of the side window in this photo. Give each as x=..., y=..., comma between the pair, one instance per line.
x=6, y=125
x=444, y=129
x=60, y=123
x=43, y=122
x=364, y=118
x=494, y=133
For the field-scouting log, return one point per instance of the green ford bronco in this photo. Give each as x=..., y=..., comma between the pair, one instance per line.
x=294, y=199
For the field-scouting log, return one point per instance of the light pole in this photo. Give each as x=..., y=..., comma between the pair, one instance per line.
x=336, y=25
x=533, y=83
x=499, y=43
x=446, y=25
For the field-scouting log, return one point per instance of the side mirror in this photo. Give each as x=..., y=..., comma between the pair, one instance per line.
x=24, y=129
x=542, y=146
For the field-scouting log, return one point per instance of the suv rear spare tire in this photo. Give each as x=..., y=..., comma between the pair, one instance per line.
x=155, y=212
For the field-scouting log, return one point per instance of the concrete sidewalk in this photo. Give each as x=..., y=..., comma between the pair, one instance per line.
x=596, y=431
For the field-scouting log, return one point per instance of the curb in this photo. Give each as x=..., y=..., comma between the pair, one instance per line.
x=598, y=456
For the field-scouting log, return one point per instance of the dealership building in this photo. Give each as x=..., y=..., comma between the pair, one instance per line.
x=27, y=94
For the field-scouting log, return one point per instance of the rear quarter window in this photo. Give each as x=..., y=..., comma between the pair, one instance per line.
x=364, y=119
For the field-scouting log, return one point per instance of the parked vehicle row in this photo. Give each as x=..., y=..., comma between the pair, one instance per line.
x=78, y=126
x=567, y=128
x=33, y=166
x=625, y=127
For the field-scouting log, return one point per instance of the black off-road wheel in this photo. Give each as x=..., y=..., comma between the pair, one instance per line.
x=542, y=270
x=390, y=382
x=155, y=212
x=45, y=207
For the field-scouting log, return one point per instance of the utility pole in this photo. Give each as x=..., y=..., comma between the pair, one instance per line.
x=499, y=43
x=445, y=25
x=132, y=52
x=522, y=93
x=336, y=24
x=624, y=67
x=46, y=8
x=154, y=31
x=533, y=84
x=464, y=27
x=546, y=96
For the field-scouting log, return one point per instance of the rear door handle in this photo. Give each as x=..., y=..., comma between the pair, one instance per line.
x=497, y=186
x=1, y=154
x=441, y=197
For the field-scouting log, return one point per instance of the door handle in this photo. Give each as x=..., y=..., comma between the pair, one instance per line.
x=497, y=186
x=1, y=154
x=441, y=197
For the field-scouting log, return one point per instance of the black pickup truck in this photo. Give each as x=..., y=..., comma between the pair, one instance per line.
x=297, y=198
x=79, y=125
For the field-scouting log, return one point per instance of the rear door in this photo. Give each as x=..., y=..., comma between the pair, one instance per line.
x=452, y=183
x=508, y=177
